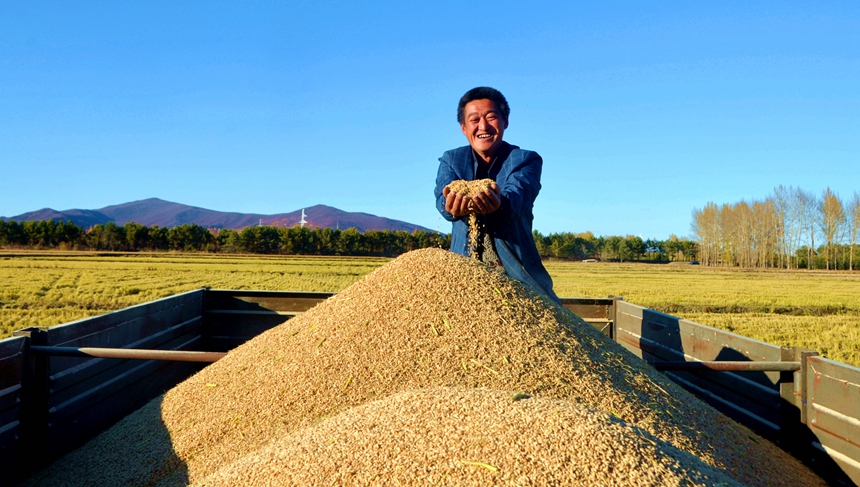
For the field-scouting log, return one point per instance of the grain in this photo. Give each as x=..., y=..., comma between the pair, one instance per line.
x=470, y=189
x=375, y=339
x=468, y=437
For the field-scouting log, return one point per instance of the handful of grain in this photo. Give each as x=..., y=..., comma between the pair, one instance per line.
x=470, y=189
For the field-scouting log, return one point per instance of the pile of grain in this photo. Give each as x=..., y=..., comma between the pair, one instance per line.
x=456, y=436
x=427, y=319
x=470, y=189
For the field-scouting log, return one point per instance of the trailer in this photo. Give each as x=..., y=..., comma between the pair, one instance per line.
x=60, y=387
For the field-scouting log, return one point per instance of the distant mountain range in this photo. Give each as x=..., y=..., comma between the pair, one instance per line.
x=154, y=211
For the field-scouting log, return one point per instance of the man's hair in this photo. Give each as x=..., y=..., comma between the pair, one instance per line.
x=484, y=93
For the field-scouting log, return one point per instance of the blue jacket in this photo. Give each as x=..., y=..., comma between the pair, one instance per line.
x=517, y=173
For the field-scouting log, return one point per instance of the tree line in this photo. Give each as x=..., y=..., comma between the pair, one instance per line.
x=296, y=240
x=582, y=246
x=790, y=229
x=48, y=234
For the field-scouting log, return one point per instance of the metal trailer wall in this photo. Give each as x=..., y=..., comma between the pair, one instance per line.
x=69, y=400
x=814, y=412
x=233, y=317
x=832, y=413
x=12, y=388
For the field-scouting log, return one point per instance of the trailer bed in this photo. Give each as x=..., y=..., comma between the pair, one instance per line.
x=51, y=403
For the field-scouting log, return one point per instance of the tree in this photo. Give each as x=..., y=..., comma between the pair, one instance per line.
x=260, y=240
x=807, y=206
x=136, y=235
x=655, y=249
x=228, y=240
x=70, y=234
x=854, y=208
x=351, y=242
x=327, y=240
x=832, y=221
x=158, y=238
x=297, y=240
x=189, y=236
x=564, y=246
x=11, y=233
x=706, y=226
x=766, y=238
x=635, y=245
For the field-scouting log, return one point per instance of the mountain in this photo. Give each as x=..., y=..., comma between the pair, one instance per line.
x=81, y=218
x=154, y=211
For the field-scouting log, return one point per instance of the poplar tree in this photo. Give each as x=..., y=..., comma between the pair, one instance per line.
x=832, y=221
x=854, y=207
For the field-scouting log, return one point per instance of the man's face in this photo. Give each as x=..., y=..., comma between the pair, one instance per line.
x=483, y=125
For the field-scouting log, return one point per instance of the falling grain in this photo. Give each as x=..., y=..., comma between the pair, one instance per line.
x=470, y=189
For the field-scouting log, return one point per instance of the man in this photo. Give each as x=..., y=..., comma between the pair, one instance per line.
x=504, y=211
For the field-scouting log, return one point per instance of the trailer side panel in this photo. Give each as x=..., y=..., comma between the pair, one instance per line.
x=12, y=363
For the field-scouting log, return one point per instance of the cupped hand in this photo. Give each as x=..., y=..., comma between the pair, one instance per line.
x=455, y=203
x=488, y=201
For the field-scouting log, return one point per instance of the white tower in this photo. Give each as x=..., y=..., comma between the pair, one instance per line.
x=303, y=222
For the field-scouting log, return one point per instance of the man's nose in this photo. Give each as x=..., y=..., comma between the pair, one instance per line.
x=482, y=123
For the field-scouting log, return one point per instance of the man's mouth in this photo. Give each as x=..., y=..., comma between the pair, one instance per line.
x=485, y=136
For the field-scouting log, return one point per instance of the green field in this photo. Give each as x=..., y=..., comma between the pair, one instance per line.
x=814, y=309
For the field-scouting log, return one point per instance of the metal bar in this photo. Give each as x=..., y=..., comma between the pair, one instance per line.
x=727, y=366
x=250, y=312
x=129, y=353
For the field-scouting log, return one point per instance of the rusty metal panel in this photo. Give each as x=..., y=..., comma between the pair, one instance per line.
x=833, y=415
x=11, y=390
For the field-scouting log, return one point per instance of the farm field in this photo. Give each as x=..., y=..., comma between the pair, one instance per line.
x=813, y=309
x=47, y=289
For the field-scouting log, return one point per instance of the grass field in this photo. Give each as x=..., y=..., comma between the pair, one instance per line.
x=818, y=309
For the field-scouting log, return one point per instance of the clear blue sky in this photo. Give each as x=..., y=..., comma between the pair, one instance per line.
x=642, y=112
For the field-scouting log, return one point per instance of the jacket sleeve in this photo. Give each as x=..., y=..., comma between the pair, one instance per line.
x=444, y=176
x=520, y=186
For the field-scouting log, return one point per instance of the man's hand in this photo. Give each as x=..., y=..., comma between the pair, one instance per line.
x=481, y=204
x=487, y=202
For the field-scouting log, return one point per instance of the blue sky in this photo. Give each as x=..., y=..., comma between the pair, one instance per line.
x=642, y=112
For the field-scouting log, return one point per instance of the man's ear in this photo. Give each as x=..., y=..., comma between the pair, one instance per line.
x=463, y=129
x=506, y=124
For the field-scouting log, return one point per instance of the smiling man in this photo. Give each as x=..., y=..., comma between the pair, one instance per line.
x=504, y=211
